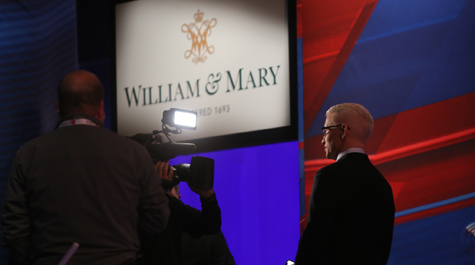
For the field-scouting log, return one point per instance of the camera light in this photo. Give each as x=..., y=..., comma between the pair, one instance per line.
x=185, y=119
x=180, y=118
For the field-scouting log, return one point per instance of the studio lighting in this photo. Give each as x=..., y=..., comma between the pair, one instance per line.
x=178, y=118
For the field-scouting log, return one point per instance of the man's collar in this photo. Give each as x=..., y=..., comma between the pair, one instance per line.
x=66, y=121
x=350, y=150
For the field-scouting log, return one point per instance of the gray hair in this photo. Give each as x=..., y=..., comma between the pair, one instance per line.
x=356, y=116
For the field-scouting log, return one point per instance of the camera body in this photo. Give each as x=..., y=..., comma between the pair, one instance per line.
x=199, y=173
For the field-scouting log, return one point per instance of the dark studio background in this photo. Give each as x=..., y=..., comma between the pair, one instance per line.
x=410, y=62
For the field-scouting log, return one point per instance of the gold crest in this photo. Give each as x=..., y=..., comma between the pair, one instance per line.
x=198, y=32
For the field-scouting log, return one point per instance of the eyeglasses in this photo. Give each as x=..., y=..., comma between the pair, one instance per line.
x=326, y=129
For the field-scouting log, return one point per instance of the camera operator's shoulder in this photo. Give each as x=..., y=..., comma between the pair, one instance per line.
x=122, y=144
x=136, y=145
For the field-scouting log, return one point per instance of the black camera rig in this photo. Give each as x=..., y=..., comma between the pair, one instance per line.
x=199, y=173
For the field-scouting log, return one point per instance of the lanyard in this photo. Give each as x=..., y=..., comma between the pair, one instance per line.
x=77, y=122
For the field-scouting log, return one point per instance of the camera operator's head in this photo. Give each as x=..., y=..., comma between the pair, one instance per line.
x=148, y=140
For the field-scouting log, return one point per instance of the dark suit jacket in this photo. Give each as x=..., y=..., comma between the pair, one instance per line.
x=207, y=250
x=351, y=215
x=82, y=184
x=165, y=248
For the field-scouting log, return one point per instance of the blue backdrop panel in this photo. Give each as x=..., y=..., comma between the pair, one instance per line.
x=258, y=192
x=37, y=47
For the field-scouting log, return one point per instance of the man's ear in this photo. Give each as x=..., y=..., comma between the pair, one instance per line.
x=57, y=107
x=101, y=115
x=343, y=130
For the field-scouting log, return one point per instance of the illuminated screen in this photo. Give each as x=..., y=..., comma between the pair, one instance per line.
x=232, y=62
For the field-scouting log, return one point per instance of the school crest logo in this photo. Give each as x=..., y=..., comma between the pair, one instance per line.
x=198, y=32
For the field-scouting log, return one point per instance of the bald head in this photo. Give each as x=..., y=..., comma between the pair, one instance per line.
x=80, y=92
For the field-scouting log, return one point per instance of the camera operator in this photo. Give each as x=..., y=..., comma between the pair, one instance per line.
x=206, y=250
x=165, y=248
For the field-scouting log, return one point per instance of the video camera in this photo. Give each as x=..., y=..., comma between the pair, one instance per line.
x=200, y=172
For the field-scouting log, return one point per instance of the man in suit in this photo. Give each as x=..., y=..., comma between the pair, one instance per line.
x=351, y=210
x=81, y=183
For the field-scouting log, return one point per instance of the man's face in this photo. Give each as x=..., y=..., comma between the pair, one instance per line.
x=332, y=139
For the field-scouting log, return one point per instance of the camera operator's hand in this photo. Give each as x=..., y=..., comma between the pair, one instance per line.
x=205, y=193
x=164, y=171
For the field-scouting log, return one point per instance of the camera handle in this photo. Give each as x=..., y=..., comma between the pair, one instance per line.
x=166, y=131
